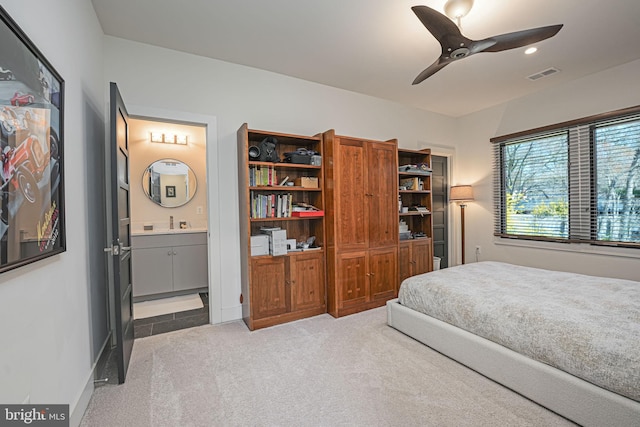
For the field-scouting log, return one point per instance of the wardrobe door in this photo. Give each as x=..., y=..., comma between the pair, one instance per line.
x=351, y=194
x=382, y=194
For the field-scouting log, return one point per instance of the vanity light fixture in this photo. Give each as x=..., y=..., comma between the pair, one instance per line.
x=156, y=137
x=168, y=138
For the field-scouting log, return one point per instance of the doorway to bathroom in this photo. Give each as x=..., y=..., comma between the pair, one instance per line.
x=119, y=182
x=169, y=224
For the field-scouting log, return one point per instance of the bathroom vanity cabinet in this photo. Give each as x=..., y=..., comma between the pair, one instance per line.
x=169, y=263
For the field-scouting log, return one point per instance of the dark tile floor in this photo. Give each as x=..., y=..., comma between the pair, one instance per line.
x=174, y=321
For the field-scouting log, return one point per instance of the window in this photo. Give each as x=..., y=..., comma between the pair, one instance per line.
x=573, y=182
x=617, y=165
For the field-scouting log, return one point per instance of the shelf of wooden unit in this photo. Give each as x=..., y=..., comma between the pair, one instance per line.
x=414, y=191
x=282, y=188
x=293, y=218
x=412, y=174
x=414, y=213
x=290, y=253
x=284, y=165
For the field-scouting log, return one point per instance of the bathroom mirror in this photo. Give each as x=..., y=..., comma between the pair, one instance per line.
x=169, y=183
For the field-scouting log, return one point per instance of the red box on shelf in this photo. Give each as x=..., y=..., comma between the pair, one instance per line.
x=307, y=214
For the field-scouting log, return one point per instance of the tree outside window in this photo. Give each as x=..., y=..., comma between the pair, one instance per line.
x=579, y=183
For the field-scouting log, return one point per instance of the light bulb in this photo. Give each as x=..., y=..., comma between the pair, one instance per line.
x=456, y=9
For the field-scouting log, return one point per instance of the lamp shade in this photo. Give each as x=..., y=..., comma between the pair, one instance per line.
x=461, y=193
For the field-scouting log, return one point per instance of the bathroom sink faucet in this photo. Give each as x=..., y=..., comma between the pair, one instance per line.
x=171, y=222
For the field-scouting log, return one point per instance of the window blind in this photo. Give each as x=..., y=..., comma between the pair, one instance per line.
x=579, y=182
x=617, y=181
x=534, y=195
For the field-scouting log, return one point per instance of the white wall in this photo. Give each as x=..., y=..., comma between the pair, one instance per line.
x=235, y=94
x=143, y=153
x=46, y=307
x=610, y=90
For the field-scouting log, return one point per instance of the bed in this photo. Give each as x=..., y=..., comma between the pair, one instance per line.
x=569, y=342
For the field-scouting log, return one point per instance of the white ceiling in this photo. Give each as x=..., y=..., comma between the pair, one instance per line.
x=377, y=47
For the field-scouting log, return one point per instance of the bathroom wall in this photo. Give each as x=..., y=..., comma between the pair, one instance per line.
x=143, y=152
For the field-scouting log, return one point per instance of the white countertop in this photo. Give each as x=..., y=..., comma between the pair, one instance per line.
x=157, y=231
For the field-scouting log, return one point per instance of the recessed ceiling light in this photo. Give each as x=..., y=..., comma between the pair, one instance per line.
x=531, y=50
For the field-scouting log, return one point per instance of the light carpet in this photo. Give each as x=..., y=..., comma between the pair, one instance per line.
x=158, y=307
x=352, y=371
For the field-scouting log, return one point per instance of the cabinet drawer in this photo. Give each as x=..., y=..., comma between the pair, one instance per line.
x=172, y=239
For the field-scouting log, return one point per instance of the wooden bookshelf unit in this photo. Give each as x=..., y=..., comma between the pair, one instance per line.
x=278, y=289
x=416, y=252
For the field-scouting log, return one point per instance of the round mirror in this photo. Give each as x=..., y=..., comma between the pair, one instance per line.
x=169, y=183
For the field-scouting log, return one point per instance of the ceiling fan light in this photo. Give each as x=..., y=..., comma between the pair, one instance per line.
x=456, y=9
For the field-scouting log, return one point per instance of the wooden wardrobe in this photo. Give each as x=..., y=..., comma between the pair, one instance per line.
x=361, y=204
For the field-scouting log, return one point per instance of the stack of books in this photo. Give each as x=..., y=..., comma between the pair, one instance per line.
x=305, y=210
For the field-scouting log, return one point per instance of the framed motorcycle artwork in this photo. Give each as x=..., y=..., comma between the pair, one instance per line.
x=32, y=225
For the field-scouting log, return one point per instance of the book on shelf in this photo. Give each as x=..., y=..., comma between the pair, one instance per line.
x=271, y=205
x=262, y=176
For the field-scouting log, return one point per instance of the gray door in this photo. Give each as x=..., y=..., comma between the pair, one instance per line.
x=440, y=204
x=120, y=234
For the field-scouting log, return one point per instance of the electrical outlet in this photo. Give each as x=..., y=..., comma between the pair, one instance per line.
x=199, y=210
x=478, y=249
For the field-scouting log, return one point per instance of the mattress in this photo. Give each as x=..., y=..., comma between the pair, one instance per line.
x=584, y=325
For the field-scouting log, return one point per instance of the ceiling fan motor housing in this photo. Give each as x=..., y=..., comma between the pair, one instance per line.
x=460, y=53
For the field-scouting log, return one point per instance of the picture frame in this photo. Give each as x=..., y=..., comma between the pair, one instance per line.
x=32, y=203
x=170, y=191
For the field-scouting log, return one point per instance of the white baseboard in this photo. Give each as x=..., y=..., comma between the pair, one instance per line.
x=78, y=409
x=82, y=404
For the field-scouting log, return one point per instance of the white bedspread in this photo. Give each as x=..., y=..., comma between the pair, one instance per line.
x=584, y=325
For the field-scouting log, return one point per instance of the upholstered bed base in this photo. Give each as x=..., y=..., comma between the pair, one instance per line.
x=565, y=394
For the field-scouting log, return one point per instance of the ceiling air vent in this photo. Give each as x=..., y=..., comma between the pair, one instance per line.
x=544, y=73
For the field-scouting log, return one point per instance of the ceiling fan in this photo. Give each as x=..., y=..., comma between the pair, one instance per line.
x=455, y=46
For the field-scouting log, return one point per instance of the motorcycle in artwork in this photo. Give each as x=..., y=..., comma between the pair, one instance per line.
x=31, y=173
